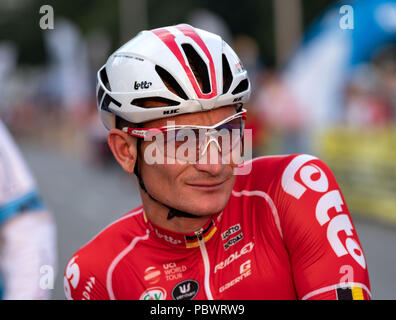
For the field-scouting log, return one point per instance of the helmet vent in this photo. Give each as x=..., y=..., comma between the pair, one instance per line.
x=242, y=86
x=153, y=102
x=198, y=67
x=99, y=96
x=170, y=82
x=105, y=79
x=227, y=75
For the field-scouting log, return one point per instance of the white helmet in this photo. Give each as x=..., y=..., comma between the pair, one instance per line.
x=173, y=55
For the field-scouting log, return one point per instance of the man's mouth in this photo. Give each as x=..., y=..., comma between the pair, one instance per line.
x=205, y=186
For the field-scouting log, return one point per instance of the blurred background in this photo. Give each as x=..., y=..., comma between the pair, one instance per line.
x=323, y=75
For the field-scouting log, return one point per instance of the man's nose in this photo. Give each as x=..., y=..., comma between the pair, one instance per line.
x=210, y=160
x=207, y=144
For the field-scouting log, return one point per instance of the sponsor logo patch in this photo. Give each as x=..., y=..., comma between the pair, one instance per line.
x=152, y=275
x=231, y=230
x=185, y=290
x=233, y=240
x=154, y=293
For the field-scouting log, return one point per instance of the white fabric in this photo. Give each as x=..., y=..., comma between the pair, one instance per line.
x=15, y=178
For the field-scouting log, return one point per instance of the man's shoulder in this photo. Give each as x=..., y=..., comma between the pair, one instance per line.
x=274, y=173
x=93, y=260
x=114, y=236
x=262, y=170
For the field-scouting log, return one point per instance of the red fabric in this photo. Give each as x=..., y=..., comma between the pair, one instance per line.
x=285, y=233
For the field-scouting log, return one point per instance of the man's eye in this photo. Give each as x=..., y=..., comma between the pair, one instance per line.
x=184, y=135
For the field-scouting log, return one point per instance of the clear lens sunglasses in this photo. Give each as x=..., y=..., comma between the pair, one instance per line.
x=190, y=142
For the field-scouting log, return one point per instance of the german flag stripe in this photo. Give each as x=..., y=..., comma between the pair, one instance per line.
x=344, y=294
x=350, y=293
x=192, y=242
x=357, y=293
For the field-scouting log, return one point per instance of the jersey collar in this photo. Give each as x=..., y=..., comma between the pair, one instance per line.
x=184, y=240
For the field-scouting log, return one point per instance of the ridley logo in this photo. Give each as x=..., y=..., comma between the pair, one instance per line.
x=154, y=293
x=185, y=290
x=142, y=85
x=313, y=178
x=234, y=256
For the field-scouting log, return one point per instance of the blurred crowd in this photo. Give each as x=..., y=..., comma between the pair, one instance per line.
x=54, y=104
x=334, y=97
x=46, y=107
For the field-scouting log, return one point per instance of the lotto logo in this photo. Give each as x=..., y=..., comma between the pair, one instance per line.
x=299, y=177
x=142, y=85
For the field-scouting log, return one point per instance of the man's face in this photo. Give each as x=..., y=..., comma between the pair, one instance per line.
x=199, y=188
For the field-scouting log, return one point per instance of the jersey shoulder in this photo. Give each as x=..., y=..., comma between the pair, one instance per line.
x=261, y=172
x=86, y=272
x=286, y=178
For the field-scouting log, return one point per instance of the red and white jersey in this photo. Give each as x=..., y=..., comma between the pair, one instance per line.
x=285, y=233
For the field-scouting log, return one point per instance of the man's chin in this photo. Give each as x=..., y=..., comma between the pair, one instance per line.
x=205, y=208
x=204, y=203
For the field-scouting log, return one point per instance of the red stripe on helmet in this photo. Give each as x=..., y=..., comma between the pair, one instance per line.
x=169, y=39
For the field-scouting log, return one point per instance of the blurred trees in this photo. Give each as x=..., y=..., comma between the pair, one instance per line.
x=19, y=20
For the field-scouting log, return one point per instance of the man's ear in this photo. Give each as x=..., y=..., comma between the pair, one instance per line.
x=123, y=147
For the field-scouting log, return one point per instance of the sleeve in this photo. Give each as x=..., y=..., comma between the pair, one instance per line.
x=28, y=240
x=17, y=187
x=28, y=262
x=326, y=255
x=83, y=279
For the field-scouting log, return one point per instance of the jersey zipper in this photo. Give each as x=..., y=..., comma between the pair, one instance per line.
x=205, y=258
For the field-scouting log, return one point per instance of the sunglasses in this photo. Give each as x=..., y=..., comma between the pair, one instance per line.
x=189, y=143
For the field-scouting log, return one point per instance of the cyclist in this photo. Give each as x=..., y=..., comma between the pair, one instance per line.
x=210, y=226
x=27, y=231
